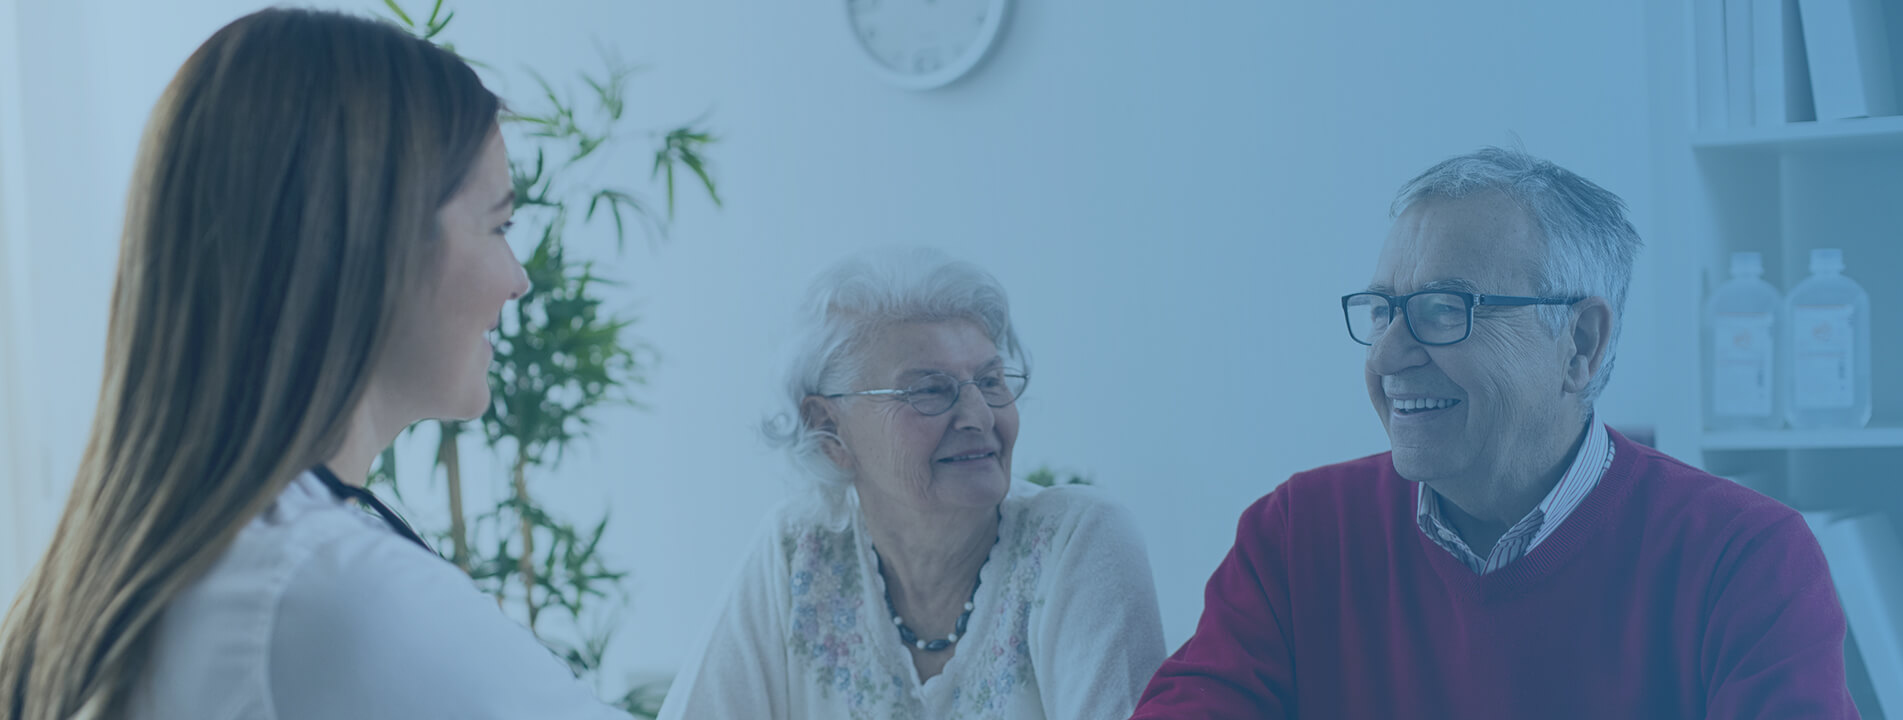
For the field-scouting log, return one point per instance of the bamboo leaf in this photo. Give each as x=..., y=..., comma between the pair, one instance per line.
x=436, y=28
x=400, y=15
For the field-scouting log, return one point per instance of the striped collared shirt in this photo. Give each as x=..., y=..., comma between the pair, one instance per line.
x=1595, y=455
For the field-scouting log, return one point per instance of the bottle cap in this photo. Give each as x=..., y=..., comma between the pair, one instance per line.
x=1827, y=260
x=1747, y=263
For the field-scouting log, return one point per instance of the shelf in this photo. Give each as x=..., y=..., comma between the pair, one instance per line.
x=1854, y=133
x=1884, y=437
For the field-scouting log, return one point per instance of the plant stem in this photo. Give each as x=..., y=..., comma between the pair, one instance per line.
x=526, y=562
x=451, y=459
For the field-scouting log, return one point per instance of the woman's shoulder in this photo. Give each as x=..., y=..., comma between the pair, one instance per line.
x=305, y=519
x=1052, y=539
x=336, y=566
x=215, y=634
x=351, y=574
x=1056, y=519
x=804, y=528
x=371, y=610
x=277, y=545
x=1064, y=504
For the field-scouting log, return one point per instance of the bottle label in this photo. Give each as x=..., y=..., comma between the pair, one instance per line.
x=1823, y=352
x=1743, y=361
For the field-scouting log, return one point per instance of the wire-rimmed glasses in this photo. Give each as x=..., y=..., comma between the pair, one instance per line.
x=936, y=393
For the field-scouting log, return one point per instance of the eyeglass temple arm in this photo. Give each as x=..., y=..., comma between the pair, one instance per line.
x=865, y=392
x=1518, y=300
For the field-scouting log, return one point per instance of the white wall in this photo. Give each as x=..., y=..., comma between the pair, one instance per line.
x=1175, y=194
x=18, y=489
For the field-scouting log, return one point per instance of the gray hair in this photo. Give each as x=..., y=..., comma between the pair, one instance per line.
x=1590, y=244
x=847, y=307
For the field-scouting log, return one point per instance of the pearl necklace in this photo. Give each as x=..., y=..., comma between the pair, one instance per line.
x=907, y=636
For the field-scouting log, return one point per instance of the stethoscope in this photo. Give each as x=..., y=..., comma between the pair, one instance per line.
x=349, y=492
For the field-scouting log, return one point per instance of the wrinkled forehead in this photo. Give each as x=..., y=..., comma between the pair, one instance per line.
x=1484, y=243
x=908, y=350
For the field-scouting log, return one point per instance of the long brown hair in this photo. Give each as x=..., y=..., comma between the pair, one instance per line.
x=283, y=204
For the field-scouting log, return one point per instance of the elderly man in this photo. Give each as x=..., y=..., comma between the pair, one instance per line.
x=1511, y=557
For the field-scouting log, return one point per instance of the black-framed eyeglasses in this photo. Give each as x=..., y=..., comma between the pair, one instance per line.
x=1434, y=317
x=936, y=393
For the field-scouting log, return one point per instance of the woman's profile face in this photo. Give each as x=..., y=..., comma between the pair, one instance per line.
x=440, y=350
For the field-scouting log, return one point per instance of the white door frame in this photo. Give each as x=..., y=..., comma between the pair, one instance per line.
x=23, y=485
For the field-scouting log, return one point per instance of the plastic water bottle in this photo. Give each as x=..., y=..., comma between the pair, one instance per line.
x=1742, y=368
x=1829, y=347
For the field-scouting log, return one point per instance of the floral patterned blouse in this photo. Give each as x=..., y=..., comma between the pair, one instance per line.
x=1064, y=625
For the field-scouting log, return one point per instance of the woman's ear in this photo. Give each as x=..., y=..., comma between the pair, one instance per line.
x=820, y=416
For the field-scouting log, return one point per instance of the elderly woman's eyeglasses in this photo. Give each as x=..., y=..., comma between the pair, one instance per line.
x=938, y=392
x=1434, y=317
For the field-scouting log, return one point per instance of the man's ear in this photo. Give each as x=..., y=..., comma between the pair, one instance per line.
x=1591, y=337
x=819, y=415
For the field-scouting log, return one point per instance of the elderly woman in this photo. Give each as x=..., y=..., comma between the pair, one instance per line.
x=917, y=580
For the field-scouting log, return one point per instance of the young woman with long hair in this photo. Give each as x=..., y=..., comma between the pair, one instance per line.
x=313, y=259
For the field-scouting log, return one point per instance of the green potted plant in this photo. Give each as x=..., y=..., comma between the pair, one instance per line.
x=561, y=356
x=1045, y=476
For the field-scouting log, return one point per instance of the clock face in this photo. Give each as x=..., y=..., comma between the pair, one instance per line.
x=925, y=43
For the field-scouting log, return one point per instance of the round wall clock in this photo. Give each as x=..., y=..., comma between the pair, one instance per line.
x=921, y=44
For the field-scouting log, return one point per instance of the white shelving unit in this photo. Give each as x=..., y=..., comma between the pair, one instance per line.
x=1781, y=191
x=1888, y=437
x=1854, y=134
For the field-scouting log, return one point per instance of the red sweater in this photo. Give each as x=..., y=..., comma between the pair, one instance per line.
x=1669, y=593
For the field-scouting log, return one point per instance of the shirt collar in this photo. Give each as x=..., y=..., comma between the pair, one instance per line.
x=1588, y=466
